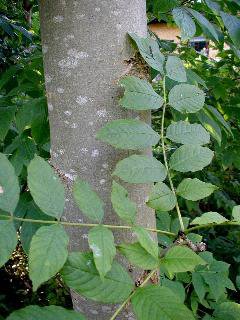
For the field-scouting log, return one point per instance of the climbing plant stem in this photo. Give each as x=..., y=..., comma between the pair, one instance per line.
x=116, y=313
x=212, y=225
x=82, y=225
x=165, y=155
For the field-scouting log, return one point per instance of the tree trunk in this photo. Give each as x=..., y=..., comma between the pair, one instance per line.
x=86, y=51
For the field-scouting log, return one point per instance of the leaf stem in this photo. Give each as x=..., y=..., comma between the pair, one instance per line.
x=165, y=155
x=211, y=225
x=116, y=313
x=77, y=224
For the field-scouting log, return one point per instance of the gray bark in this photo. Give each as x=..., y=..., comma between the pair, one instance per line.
x=86, y=51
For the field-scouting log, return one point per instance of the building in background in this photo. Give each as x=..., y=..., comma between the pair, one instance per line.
x=172, y=33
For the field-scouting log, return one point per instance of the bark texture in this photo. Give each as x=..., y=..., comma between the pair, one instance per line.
x=86, y=51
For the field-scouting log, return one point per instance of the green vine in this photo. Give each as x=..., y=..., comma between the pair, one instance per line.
x=165, y=155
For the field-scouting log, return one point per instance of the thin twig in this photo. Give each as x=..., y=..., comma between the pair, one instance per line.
x=82, y=225
x=212, y=225
x=116, y=313
x=165, y=156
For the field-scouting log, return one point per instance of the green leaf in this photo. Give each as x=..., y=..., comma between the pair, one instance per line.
x=209, y=217
x=46, y=313
x=199, y=285
x=176, y=287
x=206, y=26
x=190, y=158
x=139, y=95
x=29, y=112
x=6, y=118
x=8, y=240
x=214, y=6
x=185, y=22
x=186, y=98
x=194, y=189
x=28, y=230
x=157, y=302
x=236, y=213
x=215, y=276
x=227, y=311
x=140, y=169
x=194, y=78
x=146, y=241
x=181, y=259
x=48, y=253
x=7, y=75
x=122, y=205
x=207, y=120
x=9, y=187
x=216, y=115
x=46, y=188
x=81, y=275
x=161, y=198
x=129, y=134
x=232, y=24
x=186, y=133
x=150, y=52
x=101, y=241
x=138, y=256
x=88, y=201
x=175, y=69
x=164, y=6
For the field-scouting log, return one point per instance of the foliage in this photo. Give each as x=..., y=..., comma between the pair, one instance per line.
x=191, y=103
